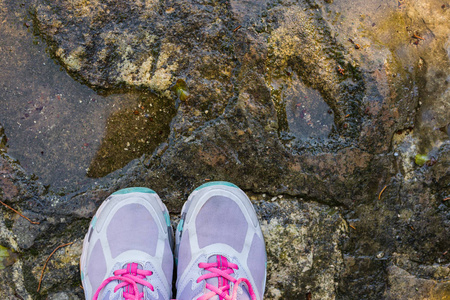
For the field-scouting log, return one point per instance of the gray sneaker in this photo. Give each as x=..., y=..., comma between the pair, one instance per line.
x=127, y=252
x=220, y=250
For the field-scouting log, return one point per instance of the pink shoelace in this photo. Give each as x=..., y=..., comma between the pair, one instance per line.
x=222, y=269
x=130, y=277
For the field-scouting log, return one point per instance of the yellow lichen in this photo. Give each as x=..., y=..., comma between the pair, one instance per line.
x=74, y=60
x=162, y=78
x=145, y=69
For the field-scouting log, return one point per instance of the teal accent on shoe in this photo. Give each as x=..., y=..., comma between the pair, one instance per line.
x=226, y=183
x=94, y=221
x=167, y=217
x=82, y=275
x=134, y=190
x=180, y=225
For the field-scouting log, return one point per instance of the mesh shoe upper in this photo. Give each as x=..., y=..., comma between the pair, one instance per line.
x=127, y=251
x=220, y=247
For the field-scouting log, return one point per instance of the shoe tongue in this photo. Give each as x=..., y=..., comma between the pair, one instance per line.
x=132, y=268
x=242, y=293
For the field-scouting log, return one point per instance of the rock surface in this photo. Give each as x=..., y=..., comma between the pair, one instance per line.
x=316, y=109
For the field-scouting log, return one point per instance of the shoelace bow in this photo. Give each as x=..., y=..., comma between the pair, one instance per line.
x=222, y=269
x=130, y=277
